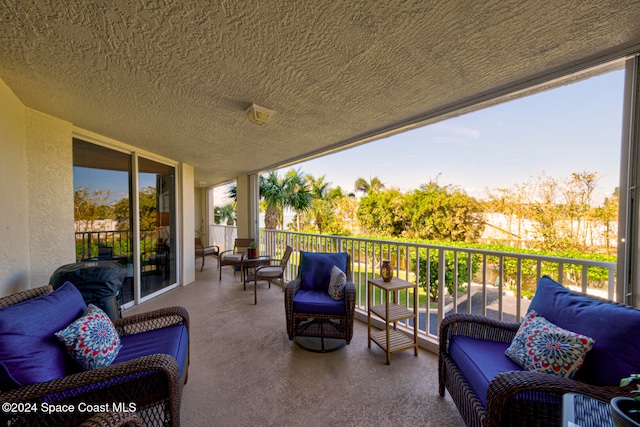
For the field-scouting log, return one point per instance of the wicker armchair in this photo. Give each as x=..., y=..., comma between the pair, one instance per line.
x=153, y=382
x=315, y=324
x=522, y=397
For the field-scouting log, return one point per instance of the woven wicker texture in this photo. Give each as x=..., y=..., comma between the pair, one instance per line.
x=519, y=398
x=321, y=325
x=113, y=419
x=151, y=382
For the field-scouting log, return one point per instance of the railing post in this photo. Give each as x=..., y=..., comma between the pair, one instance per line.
x=441, y=284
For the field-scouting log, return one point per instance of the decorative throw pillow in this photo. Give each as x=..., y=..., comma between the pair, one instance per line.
x=337, y=282
x=541, y=346
x=91, y=340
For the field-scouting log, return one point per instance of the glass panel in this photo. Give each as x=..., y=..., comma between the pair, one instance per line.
x=102, y=184
x=156, y=182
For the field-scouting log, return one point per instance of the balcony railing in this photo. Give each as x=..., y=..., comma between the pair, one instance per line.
x=88, y=242
x=491, y=283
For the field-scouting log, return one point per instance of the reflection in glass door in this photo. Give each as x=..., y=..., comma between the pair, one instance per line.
x=103, y=220
x=156, y=205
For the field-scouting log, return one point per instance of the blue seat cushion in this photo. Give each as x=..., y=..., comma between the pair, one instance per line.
x=314, y=301
x=30, y=352
x=172, y=340
x=480, y=361
x=615, y=353
x=315, y=269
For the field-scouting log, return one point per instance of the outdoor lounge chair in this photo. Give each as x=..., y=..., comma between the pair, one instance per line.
x=274, y=269
x=203, y=251
x=490, y=389
x=235, y=256
x=310, y=311
x=148, y=371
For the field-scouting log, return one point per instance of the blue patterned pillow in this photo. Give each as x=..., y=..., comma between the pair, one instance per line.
x=541, y=346
x=337, y=282
x=91, y=340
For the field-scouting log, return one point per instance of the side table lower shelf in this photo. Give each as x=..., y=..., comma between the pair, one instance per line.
x=397, y=341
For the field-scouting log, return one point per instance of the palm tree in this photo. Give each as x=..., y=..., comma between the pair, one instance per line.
x=225, y=213
x=367, y=187
x=278, y=193
x=298, y=195
x=273, y=195
x=321, y=207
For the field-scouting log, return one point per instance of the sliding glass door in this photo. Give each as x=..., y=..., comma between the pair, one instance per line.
x=105, y=224
x=156, y=207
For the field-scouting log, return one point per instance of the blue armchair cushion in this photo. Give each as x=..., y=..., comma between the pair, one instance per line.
x=171, y=340
x=319, y=302
x=91, y=340
x=30, y=352
x=315, y=269
x=480, y=361
x=615, y=353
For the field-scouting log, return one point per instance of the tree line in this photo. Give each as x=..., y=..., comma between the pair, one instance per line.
x=545, y=213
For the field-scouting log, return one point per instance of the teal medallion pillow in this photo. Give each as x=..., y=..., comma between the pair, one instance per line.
x=541, y=346
x=91, y=340
x=337, y=283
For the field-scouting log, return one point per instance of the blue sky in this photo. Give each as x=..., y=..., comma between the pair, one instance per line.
x=574, y=128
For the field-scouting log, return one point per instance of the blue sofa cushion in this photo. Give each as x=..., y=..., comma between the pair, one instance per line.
x=480, y=361
x=315, y=269
x=172, y=340
x=30, y=352
x=613, y=327
x=314, y=301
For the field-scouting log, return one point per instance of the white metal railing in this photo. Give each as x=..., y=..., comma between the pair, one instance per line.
x=223, y=236
x=491, y=283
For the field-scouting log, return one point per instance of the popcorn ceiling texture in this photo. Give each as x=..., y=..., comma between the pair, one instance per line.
x=174, y=77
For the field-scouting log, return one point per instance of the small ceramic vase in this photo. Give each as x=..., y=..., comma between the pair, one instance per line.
x=386, y=271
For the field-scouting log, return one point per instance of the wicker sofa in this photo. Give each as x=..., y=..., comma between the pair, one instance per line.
x=490, y=389
x=147, y=374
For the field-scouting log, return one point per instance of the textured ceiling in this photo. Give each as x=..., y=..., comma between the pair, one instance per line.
x=174, y=78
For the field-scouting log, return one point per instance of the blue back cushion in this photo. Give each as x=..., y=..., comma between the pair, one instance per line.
x=315, y=269
x=616, y=352
x=30, y=353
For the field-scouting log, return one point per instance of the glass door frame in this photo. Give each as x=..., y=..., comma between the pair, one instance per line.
x=135, y=212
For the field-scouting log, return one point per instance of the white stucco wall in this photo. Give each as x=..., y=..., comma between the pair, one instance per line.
x=187, y=207
x=36, y=213
x=50, y=183
x=14, y=224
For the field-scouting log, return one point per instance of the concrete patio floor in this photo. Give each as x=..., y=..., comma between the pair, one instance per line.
x=245, y=371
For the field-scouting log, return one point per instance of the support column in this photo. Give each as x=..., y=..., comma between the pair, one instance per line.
x=247, y=206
